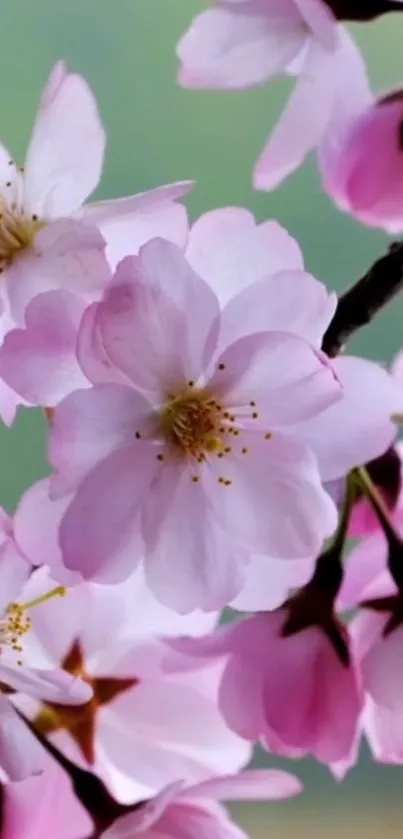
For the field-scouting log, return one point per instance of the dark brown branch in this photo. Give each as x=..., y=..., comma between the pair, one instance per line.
x=359, y=304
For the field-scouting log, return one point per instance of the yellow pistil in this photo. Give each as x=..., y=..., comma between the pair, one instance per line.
x=17, y=231
x=15, y=622
x=191, y=423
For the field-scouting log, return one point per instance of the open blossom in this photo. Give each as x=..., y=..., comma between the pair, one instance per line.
x=19, y=754
x=48, y=239
x=181, y=810
x=138, y=733
x=265, y=661
x=187, y=425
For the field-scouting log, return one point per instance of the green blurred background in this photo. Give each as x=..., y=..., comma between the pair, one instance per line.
x=159, y=133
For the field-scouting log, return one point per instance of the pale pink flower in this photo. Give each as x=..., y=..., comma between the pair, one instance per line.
x=145, y=727
x=43, y=805
x=48, y=239
x=19, y=754
x=181, y=811
x=187, y=424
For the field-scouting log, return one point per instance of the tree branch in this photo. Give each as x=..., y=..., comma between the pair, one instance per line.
x=359, y=304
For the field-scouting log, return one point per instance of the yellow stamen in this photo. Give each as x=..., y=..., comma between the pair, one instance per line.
x=59, y=591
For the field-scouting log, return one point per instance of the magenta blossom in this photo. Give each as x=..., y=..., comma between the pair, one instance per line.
x=181, y=811
x=188, y=425
x=138, y=733
x=20, y=755
x=361, y=159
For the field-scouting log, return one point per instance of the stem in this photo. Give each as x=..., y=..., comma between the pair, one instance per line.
x=359, y=304
x=377, y=503
x=328, y=574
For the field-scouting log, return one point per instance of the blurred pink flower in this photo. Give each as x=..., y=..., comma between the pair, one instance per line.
x=181, y=811
x=139, y=732
x=296, y=692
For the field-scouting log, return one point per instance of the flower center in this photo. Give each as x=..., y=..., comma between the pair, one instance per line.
x=15, y=622
x=17, y=232
x=191, y=422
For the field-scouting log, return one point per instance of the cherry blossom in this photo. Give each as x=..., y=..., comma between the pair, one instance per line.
x=167, y=412
x=138, y=732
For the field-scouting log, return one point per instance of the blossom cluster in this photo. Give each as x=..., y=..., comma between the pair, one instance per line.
x=209, y=448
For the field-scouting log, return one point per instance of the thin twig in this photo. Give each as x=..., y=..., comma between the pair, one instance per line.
x=359, y=305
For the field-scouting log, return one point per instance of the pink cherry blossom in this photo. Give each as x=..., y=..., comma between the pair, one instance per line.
x=180, y=811
x=163, y=433
x=139, y=732
x=48, y=240
x=19, y=754
x=264, y=664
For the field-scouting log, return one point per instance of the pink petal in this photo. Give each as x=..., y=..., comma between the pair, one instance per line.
x=142, y=818
x=88, y=426
x=383, y=728
x=249, y=785
x=381, y=671
x=280, y=374
x=275, y=504
x=229, y=49
x=230, y=251
x=40, y=361
x=64, y=159
x=150, y=742
x=66, y=254
x=269, y=581
x=303, y=122
x=364, y=565
x=128, y=223
x=320, y=20
x=36, y=526
x=159, y=320
x=20, y=753
x=41, y=803
x=294, y=302
x=347, y=435
x=191, y=561
x=99, y=534
x=49, y=685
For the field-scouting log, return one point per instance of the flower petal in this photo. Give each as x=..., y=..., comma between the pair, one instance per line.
x=230, y=251
x=227, y=48
x=279, y=374
x=64, y=159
